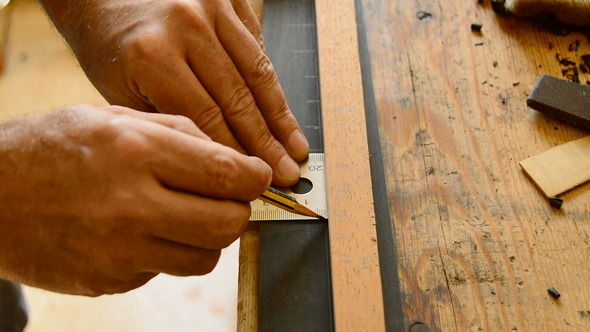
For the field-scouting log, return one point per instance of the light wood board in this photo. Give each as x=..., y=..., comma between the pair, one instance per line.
x=561, y=168
x=356, y=280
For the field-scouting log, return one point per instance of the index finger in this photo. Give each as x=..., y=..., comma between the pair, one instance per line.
x=186, y=163
x=176, y=122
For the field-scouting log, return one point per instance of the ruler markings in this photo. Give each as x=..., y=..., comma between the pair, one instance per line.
x=313, y=170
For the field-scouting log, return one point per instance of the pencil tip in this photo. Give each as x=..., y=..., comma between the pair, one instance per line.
x=319, y=216
x=304, y=210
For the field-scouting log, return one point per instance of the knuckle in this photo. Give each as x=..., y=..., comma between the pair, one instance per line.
x=283, y=115
x=240, y=103
x=210, y=120
x=115, y=110
x=123, y=215
x=183, y=123
x=120, y=210
x=262, y=73
x=180, y=7
x=190, y=13
x=133, y=147
x=74, y=114
x=265, y=141
x=224, y=173
x=69, y=111
x=143, y=49
x=128, y=143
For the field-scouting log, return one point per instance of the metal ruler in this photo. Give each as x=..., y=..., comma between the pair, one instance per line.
x=294, y=282
x=310, y=191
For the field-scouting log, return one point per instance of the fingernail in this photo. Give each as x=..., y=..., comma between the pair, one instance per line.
x=298, y=145
x=288, y=170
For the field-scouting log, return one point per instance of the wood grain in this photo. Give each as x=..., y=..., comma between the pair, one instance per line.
x=560, y=168
x=248, y=273
x=248, y=279
x=478, y=245
x=356, y=280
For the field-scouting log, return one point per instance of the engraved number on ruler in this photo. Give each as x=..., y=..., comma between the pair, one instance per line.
x=313, y=170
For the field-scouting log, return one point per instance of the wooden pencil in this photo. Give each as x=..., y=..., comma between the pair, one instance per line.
x=287, y=203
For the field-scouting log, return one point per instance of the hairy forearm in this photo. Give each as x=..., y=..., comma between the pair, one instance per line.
x=86, y=25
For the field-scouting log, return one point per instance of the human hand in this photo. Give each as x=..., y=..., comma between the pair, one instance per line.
x=203, y=59
x=100, y=200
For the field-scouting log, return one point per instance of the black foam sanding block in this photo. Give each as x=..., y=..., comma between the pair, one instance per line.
x=564, y=100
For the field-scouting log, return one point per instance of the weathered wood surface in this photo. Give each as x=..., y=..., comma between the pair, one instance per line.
x=478, y=244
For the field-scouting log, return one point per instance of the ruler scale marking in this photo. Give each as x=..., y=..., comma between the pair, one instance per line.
x=312, y=170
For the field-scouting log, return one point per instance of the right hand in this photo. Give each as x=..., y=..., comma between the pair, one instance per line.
x=203, y=59
x=100, y=200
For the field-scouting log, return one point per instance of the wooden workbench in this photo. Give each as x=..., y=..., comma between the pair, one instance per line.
x=477, y=243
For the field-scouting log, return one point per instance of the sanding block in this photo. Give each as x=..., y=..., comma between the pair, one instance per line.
x=567, y=11
x=564, y=100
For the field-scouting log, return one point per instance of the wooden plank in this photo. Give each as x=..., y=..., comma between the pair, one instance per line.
x=477, y=245
x=356, y=281
x=248, y=276
x=248, y=279
x=561, y=168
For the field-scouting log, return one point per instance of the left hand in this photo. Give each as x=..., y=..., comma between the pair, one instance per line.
x=203, y=59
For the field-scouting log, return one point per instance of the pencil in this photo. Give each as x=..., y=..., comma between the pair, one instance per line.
x=287, y=203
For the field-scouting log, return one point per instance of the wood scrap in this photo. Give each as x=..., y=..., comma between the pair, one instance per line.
x=561, y=168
